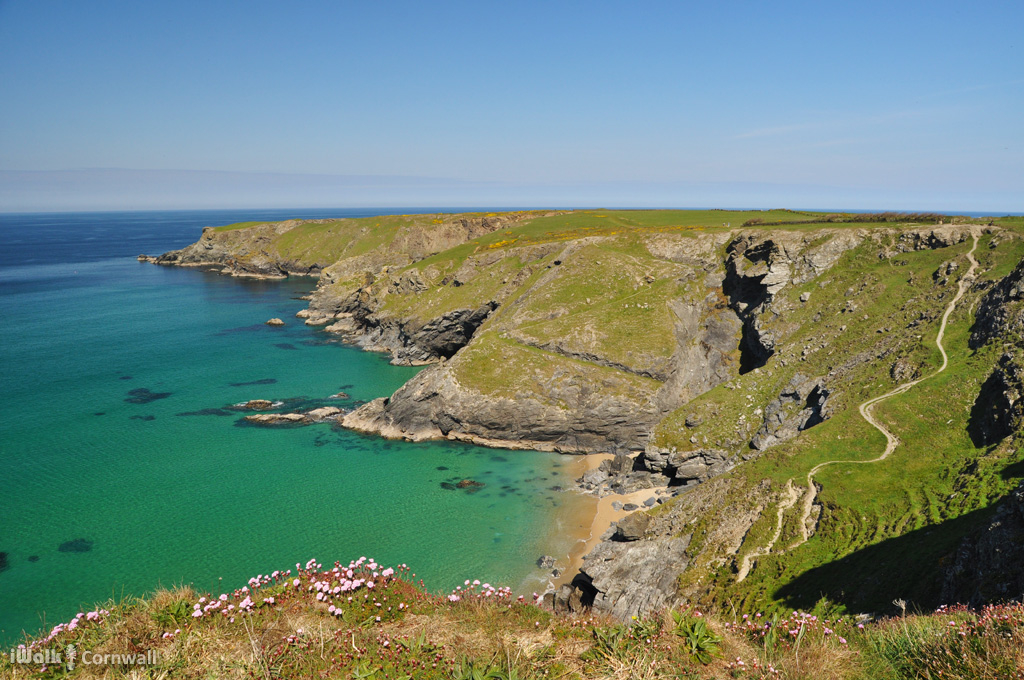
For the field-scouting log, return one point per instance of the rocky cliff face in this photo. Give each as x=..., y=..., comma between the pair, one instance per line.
x=998, y=410
x=435, y=404
x=1000, y=315
x=242, y=252
x=801, y=405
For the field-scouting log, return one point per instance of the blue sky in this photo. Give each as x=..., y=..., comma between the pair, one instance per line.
x=888, y=105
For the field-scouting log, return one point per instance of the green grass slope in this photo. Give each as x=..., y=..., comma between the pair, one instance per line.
x=886, y=528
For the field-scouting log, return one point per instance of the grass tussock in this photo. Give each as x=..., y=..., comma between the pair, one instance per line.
x=365, y=621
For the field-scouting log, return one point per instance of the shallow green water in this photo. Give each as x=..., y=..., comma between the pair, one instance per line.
x=166, y=498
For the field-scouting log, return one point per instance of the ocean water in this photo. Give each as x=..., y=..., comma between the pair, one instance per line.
x=116, y=375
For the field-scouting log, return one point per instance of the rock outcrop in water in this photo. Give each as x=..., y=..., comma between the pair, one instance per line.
x=317, y=415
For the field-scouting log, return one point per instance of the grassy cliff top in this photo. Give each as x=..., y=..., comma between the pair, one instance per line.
x=363, y=620
x=328, y=240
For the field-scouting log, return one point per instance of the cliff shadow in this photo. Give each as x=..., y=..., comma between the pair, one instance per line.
x=1013, y=470
x=990, y=420
x=910, y=567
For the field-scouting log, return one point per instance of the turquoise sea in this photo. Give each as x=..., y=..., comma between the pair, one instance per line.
x=116, y=376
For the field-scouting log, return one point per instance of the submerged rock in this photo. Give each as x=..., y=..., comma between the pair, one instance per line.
x=3, y=561
x=76, y=545
x=208, y=412
x=142, y=395
x=263, y=381
x=258, y=405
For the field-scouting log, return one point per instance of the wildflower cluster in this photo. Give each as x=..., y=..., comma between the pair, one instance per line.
x=331, y=587
x=786, y=632
x=94, y=616
x=469, y=590
x=956, y=642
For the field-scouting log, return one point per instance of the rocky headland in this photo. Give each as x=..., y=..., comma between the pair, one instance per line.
x=710, y=360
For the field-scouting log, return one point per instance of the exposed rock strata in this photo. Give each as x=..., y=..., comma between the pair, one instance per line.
x=801, y=405
x=998, y=410
x=1000, y=314
x=415, y=343
x=688, y=467
x=434, y=405
x=241, y=252
x=624, y=579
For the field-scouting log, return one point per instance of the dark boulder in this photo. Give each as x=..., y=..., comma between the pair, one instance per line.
x=632, y=527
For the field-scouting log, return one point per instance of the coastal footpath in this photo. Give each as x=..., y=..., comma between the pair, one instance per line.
x=717, y=357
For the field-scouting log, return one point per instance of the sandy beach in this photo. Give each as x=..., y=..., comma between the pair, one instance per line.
x=595, y=516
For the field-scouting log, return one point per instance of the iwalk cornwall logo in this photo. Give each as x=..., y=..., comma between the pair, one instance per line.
x=69, y=657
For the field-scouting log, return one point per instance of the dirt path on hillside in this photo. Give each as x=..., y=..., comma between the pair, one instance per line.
x=866, y=410
x=788, y=501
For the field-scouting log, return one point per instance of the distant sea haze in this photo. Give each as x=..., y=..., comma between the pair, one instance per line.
x=126, y=468
x=133, y=189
